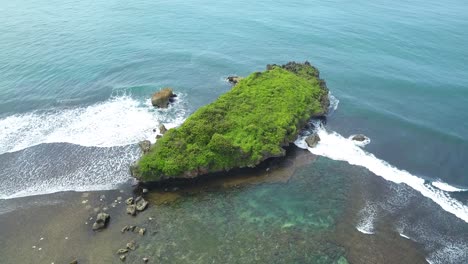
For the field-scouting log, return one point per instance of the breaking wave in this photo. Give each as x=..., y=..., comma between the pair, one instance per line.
x=118, y=121
x=337, y=147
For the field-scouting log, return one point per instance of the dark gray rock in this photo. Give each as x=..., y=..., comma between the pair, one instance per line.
x=101, y=221
x=162, y=129
x=312, y=140
x=234, y=79
x=359, y=137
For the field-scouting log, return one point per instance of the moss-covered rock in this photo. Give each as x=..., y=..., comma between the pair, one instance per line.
x=252, y=122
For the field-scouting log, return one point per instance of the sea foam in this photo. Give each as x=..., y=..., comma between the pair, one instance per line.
x=337, y=147
x=118, y=121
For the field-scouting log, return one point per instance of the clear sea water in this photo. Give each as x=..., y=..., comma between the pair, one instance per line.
x=75, y=78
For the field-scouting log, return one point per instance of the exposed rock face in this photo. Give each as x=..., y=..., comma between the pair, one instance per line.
x=145, y=146
x=233, y=79
x=359, y=137
x=312, y=140
x=101, y=221
x=162, y=98
x=162, y=129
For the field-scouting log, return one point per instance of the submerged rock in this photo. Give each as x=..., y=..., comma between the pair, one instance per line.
x=162, y=98
x=312, y=140
x=101, y=221
x=122, y=257
x=74, y=261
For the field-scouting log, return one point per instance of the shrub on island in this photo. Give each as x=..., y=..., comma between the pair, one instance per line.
x=252, y=122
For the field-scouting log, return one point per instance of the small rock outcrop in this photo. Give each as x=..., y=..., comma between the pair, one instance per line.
x=162, y=98
x=233, y=79
x=145, y=146
x=359, y=137
x=135, y=205
x=131, y=245
x=101, y=221
x=312, y=140
x=162, y=129
x=131, y=209
x=122, y=251
x=140, y=203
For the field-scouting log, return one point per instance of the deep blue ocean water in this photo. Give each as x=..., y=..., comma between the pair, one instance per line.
x=77, y=75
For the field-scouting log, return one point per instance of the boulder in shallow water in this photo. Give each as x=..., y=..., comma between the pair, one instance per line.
x=122, y=251
x=131, y=245
x=145, y=146
x=101, y=221
x=162, y=98
x=141, y=204
x=312, y=140
x=131, y=209
x=359, y=137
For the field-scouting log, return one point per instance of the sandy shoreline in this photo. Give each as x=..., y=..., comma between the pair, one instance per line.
x=56, y=228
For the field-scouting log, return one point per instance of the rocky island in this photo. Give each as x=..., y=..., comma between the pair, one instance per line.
x=254, y=121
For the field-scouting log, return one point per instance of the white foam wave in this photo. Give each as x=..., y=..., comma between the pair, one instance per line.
x=452, y=252
x=335, y=146
x=447, y=187
x=116, y=122
x=367, y=218
x=405, y=236
x=56, y=167
x=333, y=101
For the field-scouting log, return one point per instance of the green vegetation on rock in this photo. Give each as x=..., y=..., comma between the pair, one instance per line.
x=252, y=122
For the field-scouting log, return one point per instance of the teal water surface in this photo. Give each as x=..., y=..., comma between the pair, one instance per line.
x=76, y=77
